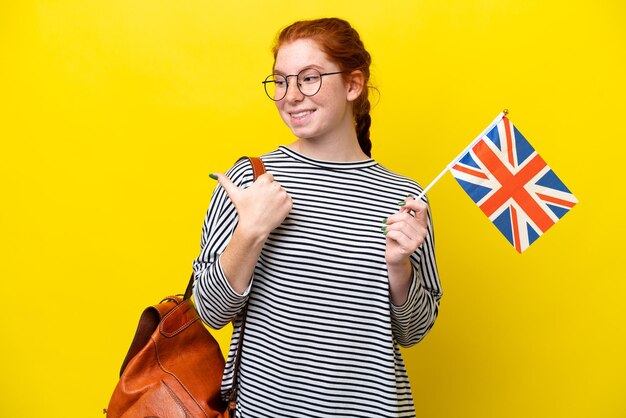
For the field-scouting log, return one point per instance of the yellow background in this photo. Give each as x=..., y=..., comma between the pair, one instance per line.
x=113, y=113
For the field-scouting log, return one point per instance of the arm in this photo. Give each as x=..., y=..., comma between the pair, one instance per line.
x=261, y=208
x=236, y=226
x=414, y=285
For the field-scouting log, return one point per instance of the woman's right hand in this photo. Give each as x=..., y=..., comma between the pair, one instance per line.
x=262, y=207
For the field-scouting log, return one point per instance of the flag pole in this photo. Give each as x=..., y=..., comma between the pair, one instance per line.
x=462, y=153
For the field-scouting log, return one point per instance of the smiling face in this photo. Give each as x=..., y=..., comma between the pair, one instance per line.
x=324, y=116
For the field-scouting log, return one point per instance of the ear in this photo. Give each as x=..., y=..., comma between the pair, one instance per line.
x=355, y=85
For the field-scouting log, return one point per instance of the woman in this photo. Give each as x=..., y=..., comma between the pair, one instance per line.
x=328, y=249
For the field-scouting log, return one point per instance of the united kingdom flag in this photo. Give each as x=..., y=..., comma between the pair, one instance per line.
x=512, y=185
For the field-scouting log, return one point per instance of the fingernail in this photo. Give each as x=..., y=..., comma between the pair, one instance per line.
x=383, y=228
x=385, y=232
x=213, y=176
x=385, y=221
x=401, y=203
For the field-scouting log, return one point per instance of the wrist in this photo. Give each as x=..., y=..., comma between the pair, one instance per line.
x=399, y=281
x=400, y=268
x=250, y=236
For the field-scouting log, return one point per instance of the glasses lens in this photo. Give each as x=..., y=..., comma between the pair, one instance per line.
x=275, y=86
x=309, y=81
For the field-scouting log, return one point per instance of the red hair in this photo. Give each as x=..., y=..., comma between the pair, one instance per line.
x=343, y=45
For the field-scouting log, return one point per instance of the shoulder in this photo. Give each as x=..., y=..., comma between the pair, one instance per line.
x=392, y=179
x=241, y=173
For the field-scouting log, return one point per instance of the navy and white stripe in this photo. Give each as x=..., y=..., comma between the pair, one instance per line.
x=322, y=336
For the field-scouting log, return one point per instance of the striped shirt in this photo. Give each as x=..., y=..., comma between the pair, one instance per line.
x=322, y=336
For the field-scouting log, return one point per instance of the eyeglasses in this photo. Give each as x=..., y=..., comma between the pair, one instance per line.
x=309, y=82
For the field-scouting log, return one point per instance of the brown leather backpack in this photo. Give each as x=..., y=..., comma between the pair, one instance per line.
x=174, y=366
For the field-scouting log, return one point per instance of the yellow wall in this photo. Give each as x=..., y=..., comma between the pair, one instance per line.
x=112, y=114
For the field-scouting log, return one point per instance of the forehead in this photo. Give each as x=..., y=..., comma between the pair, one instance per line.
x=302, y=53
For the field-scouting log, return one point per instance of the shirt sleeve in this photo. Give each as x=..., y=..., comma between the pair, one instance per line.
x=216, y=301
x=412, y=321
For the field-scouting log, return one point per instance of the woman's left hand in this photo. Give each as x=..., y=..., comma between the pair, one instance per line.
x=405, y=232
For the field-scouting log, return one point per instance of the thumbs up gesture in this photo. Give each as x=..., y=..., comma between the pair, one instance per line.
x=261, y=207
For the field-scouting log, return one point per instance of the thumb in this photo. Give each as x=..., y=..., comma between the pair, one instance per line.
x=231, y=189
x=414, y=205
x=419, y=207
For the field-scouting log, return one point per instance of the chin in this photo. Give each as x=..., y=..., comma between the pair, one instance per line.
x=303, y=133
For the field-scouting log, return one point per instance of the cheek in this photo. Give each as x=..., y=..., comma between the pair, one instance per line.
x=279, y=108
x=284, y=116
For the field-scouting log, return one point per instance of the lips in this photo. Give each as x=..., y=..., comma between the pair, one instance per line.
x=300, y=115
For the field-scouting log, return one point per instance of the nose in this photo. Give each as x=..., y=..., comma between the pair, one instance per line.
x=293, y=92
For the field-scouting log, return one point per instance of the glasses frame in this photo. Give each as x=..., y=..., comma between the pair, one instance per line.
x=286, y=77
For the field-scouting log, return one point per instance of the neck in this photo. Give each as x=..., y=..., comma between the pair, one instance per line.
x=340, y=145
x=330, y=150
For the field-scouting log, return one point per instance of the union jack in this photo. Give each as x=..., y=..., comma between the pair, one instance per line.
x=512, y=185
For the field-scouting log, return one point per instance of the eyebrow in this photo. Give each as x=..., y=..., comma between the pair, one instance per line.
x=317, y=67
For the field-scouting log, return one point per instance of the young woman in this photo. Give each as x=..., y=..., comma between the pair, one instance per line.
x=328, y=249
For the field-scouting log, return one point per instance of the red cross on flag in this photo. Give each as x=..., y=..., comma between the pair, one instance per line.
x=511, y=183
